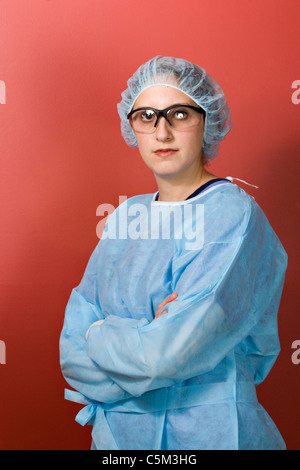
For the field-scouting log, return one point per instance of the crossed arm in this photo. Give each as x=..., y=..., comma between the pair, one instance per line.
x=222, y=294
x=159, y=311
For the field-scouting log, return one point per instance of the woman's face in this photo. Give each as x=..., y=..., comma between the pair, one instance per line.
x=167, y=152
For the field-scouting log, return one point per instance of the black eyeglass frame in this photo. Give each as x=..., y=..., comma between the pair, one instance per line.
x=164, y=112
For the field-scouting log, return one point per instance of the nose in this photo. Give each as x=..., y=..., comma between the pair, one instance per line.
x=163, y=130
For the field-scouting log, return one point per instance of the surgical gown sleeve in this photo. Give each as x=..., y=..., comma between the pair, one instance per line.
x=83, y=374
x=225, y=290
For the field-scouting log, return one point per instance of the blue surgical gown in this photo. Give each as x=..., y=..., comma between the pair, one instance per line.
x=187, y=379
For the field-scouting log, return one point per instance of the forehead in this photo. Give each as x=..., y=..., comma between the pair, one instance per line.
x=161, y=96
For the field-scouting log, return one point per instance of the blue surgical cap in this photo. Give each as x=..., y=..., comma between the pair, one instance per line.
x=192, y=80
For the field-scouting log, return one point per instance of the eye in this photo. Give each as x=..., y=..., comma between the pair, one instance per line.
x=179, y=114
x=147, y=115
x=143, y=116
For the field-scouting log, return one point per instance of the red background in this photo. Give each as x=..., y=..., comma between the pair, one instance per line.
x=64, y=64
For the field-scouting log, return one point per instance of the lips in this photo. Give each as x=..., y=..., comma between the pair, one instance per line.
x=165, y=152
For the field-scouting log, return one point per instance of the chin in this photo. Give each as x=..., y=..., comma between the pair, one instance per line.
x=166, y=174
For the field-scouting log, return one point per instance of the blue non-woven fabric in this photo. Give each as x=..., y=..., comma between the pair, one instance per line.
x=185, y=380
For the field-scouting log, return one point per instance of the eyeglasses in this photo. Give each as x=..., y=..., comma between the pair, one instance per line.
x=180, y=116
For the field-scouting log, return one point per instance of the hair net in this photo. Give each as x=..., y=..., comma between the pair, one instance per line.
x=192, y=80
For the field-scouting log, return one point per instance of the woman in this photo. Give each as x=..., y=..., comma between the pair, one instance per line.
x=174, y=322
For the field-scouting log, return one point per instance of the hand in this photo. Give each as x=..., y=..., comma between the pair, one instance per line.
x=161, y=306
x=93, y=324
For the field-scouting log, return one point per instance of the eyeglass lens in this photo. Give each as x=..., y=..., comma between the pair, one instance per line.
x=180, y=118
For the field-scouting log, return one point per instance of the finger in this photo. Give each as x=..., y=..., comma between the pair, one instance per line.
x=173, y=296
x=168, y=299
x=160, y=314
